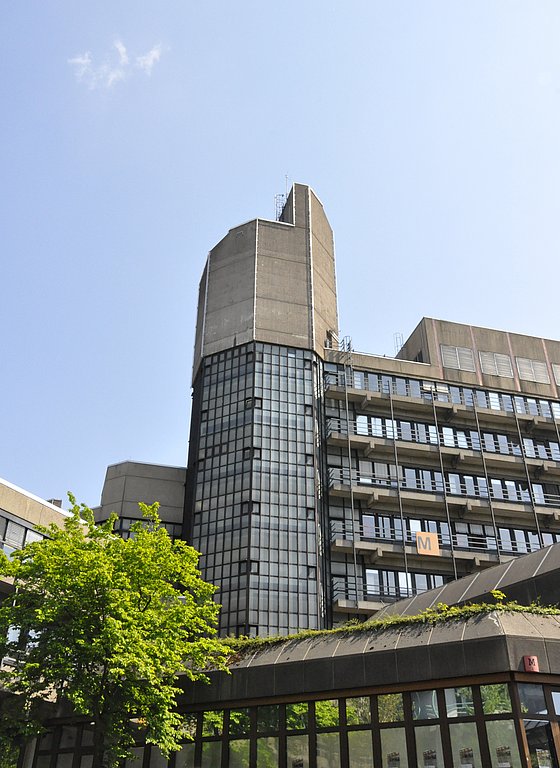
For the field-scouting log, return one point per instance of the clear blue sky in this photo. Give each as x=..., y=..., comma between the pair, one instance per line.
x=134, y=135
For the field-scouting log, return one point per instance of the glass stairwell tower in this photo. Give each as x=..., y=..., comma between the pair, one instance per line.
x=255, y=505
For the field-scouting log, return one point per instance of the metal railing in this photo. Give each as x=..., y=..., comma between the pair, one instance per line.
x=343, y=590
x=441, y=438
x=511, y=493
x=466, y=542
x=453, y=394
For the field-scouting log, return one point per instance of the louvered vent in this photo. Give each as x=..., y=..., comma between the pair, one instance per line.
x=496, y=364
x=460, y=358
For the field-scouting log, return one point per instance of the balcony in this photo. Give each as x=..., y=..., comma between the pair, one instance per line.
x=458, y=449
x=384, y=546
x=367, y=599
x=451, y=403
x=512, y=505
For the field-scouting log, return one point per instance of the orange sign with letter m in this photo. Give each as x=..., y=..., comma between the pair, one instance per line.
x=427, y=544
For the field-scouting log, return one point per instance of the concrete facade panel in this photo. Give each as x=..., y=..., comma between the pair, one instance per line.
x=278, y=323
x=128, y=483
x=229, y=300
x=29, y=508
x=276, y=278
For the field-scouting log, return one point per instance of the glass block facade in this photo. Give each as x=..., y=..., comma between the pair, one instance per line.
x=257, y=487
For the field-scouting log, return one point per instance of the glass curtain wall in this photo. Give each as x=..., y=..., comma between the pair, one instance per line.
x=256, y=508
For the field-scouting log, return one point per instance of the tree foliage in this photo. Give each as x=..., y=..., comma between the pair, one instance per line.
x=106, y=624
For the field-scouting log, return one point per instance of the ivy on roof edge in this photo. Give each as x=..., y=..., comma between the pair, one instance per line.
x=435, y=615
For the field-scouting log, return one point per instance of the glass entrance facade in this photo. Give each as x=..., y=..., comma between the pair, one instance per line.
x=477, y=723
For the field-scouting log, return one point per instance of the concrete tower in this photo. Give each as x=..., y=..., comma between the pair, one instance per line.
x=254, y=506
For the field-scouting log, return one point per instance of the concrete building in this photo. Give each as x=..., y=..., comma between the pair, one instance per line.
x=323, y=483
x=480, y=691
x=130, y=482
x=20, y=512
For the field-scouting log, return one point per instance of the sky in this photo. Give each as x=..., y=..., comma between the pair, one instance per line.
x=134, y=135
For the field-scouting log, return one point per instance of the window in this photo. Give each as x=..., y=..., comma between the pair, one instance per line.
x=556, y=372
x=532, y=370
x=460, y=358
x=496, y=364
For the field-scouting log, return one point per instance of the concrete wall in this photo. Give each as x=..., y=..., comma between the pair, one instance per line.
x=271, y=281
x=225, y=315
x=131, y=482
x=29, y=508
x=425, y=343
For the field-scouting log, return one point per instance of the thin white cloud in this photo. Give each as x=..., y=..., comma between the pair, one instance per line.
x=147, y=61
x=82, y=64
x=115, y=68
x=121, y=50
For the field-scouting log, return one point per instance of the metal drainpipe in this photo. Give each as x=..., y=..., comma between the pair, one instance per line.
x=347, y=374
x=397, y=467
x=528, y=476
x=486, y=477
x=444, y=482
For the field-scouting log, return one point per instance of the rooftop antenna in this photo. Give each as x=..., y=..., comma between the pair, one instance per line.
x=398, y=342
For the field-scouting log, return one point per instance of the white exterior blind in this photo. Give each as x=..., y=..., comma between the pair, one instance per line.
x=460, y=358
x=496, y=364
x=556, y=372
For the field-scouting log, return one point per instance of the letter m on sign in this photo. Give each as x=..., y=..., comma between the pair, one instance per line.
x=427, y=544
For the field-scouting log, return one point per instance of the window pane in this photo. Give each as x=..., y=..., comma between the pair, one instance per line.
x=67, y=736
x=213, y=723
x=185, y=757
x=464, y=745
x=211, y=754
x=393, y=748
x=428, y=746
x=297, y=752
x=296, y=717
x=267, y=752
x=137, y=758
x=267, y=718
x=539, y=739
x=357, y=711
x=239, y=753
x=326, y=714
x=502, y=743
x=360, y=751
x=495, y=699
x=531, y=696
x=424, y=705
x=390, y=708
x=157, y=760
x=239, y=723
x=556, y=701
x=458, y=702
x=328, y=750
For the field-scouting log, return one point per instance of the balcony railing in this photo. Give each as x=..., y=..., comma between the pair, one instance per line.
x=511, y=493
x=382, y=593
x=465, y=542
x=443, y=393
x=441, y=438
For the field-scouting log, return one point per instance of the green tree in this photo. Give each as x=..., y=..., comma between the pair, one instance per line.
x=106, y=624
